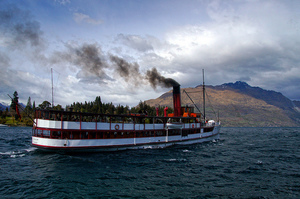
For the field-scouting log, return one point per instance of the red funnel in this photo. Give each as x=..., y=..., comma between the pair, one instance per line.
x=177, y=101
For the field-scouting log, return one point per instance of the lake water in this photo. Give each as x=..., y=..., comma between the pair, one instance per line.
x=244, y=163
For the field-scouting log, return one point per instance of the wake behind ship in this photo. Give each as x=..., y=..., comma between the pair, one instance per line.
x=73, y=131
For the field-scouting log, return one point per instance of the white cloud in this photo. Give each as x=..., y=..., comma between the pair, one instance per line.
x=63, y=2
x=136, y=42
x=239, y=45
x=256, y=42
x=83, y=18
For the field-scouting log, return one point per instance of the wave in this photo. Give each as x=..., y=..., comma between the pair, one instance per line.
x=187, y=151
x=16, y=154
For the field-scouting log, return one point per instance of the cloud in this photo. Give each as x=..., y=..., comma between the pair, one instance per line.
x=253, y=41
x=136, y=42
x=63, y=2
x=257, y=42
x=17, y=27
x=26, y=84
x=236, y=45
x=21, y=37
x=88, y=58
x=83, y=18
x=4, y=62
x=95, y=66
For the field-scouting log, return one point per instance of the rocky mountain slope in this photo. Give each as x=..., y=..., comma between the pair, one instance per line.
x=239, y=105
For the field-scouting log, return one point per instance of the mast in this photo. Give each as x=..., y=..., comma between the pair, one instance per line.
x=203, y=88
x=52, y=87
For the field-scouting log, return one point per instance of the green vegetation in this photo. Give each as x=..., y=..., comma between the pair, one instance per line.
x=17, y=116
x=108, y=108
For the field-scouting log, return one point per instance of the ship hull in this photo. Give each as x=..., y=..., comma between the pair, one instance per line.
x=116, y=144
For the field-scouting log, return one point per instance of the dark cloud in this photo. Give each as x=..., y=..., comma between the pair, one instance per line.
x=18, y=27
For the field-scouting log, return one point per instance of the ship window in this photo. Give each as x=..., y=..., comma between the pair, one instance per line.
x=100, y=135
x=65, y=135
x=46, y=133
x=92, y=135
x=58, y=134
x=40, y=132
x=76, y=135
x=84, y=135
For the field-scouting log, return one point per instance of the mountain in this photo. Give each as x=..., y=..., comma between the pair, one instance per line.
x=239, y=105
x=3, y=106
x=297, y=103
x=271, y=97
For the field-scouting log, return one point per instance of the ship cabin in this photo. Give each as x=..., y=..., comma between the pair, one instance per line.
x=76, y=125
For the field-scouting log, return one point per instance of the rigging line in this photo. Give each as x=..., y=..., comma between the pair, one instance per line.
x=192, y=101
x=56, y=81
x=55, y=87
x=195, y=92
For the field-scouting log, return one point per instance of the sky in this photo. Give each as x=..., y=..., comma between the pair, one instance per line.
x=123, y=50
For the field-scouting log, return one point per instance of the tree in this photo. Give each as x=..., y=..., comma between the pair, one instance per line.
x=28, y=108
x=29, y=105
x=33, y=105
x=58, y=107
x=14, y=106
x=45, y=105
x=14, y=101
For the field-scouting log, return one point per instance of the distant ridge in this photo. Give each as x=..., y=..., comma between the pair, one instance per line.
x=297, y=103
x=269, y=96
x=241, y=105
x=3, y=107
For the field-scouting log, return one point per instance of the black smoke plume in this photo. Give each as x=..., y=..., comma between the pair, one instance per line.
x=155, y=79
x=90, y=58
x=93, y=63
x=18, y=26
x=129, y=71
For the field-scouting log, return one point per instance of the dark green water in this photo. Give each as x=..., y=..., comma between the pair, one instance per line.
x=244, y=163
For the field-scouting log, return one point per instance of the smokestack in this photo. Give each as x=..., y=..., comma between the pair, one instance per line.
x=177, y=100
x=155, y=78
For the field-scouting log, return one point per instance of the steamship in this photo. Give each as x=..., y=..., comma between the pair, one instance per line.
x=74, y=131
